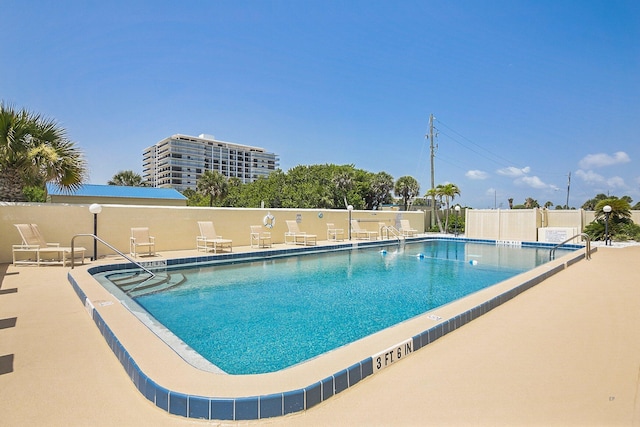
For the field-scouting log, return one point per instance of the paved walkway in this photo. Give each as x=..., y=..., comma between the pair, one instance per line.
x=566, y=352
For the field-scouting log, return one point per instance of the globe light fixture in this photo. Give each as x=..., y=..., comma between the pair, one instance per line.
x=607, y=211
x=95, y=209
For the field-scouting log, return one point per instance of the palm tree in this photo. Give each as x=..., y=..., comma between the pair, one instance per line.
x=436, y=199
x=127, y=178
x=447, y=192
x=620, y=210
x=619, y=216
x=380, y=189
x=33, y=151
x=406, y=188
x=212, y=184
x=531, y=203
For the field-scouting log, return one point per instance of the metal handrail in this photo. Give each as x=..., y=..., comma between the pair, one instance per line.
x=394, y=232
x=552, y=252
x=110, y=247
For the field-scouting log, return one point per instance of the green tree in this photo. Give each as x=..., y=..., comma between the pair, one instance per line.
x=303, y=187
x=265, y=190
x=33, y=151
x=127, y=178
x=194, y=198
x=212, y=184
x=311, y=186
x=35, y=193
x=234, y=192
x=344, y=183
x=406, y=188
x=590, y=204
x=380, y=188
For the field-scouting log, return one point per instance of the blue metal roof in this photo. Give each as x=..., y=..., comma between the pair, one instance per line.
x=94, y=190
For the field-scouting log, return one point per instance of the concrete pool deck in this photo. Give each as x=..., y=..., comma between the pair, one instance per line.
x=565, y=352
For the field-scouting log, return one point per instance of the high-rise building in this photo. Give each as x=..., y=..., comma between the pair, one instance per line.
x=179, y=160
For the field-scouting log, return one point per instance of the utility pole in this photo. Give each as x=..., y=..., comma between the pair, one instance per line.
x=568, y=188
x=433, y=181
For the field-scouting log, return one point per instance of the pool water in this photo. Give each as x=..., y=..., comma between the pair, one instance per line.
x=264, y=316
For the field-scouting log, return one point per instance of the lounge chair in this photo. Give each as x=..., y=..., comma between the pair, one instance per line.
x=261, y=238
x=140, y=238
x=209, y=239
x=41, y=251
x=298, y=237
x=405, y=228
x=333, y=233
x=361, y=233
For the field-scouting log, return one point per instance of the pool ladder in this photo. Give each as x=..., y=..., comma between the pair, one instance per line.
x=585, y=236
x=390, y=230
x=146, y=270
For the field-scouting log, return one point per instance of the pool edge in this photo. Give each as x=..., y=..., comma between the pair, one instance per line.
x=300, y=399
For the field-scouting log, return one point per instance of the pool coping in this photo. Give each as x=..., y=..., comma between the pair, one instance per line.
x=180, y=389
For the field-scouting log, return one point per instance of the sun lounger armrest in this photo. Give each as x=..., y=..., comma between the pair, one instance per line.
x=26, y=247
x=53, y=245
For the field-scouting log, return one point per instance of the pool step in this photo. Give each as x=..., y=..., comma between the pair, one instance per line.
x=138, y=283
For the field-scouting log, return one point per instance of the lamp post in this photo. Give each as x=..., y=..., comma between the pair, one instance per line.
x=95, y=209
x=349, y=209
x=607, y=212
x=457, y=208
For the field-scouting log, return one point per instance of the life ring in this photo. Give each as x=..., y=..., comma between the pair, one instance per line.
x=269, y=220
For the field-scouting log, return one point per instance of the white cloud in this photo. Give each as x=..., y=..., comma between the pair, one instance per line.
x=476, y=174
x=514, y=172
x=602, y=159
x=589, y=176
x=533, y=182
x=615, y=181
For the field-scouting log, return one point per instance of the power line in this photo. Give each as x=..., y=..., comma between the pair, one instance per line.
x=508, y=162
x=502, y=160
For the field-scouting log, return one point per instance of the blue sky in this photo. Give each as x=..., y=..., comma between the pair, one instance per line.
x=523, y=92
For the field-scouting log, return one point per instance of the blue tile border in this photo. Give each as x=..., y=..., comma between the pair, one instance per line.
x=199, y=407
x=287, y=402
x=312, y=395
x=246, y=408
x=222, y=409
x=271, y=406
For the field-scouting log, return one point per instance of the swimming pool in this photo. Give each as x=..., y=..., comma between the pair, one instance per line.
x=263, y=316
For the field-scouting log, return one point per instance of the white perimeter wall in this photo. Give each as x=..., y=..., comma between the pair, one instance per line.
x=175, y=228
x=522, y=224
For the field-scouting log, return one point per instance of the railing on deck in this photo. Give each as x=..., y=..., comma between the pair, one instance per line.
x=552, y=253
x=152, y=274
